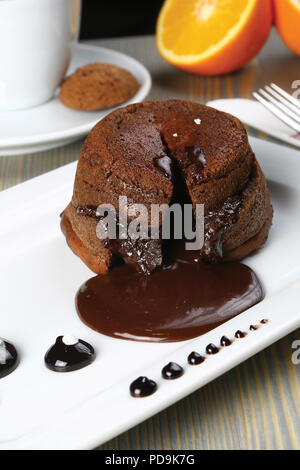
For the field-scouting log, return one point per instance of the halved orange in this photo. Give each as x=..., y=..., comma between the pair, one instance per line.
x=212, y=36
x=287, y=20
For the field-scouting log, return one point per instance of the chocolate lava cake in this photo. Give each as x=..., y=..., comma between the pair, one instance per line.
x=153, y=153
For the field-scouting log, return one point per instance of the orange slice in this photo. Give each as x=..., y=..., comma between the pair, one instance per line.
x=287, y=20
x=212, y=36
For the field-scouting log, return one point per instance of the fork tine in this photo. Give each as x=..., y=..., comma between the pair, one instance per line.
x=281, y=106
x=283, y=100
x=288, y=121
x=286, y=95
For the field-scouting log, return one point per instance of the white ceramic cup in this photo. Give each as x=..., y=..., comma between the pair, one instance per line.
x=36, y=38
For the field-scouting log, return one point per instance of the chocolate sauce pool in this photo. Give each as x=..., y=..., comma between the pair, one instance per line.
x=182, y=300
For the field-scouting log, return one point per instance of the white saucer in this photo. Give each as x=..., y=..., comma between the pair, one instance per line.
x=52, y=124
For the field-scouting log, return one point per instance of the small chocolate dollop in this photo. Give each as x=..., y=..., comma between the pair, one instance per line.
x=68, y=354
x=240, y=334
x=9, y=359
x=126, y=305
x=253, y=327
x=212, y=349
x=195, y=358
x=225, y=341
x=172, y=371
x=142, y=387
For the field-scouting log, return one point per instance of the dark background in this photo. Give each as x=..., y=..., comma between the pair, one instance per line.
x=115, y=18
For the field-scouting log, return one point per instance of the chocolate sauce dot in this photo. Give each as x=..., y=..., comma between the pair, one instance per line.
x=195, y=358
x=212, y=349
x=68, y=354
x=253, y=327
x=9, y=359
x=240, y=334
x=142, y=387
x=172, y=371
x=264, y=321
x=225, y=341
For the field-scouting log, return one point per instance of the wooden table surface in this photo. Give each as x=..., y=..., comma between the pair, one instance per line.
x=257, y=404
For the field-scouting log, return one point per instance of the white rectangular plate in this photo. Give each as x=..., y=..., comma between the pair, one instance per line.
x=39, y=276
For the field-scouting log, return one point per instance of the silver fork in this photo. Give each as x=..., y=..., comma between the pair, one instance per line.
x=283, y=105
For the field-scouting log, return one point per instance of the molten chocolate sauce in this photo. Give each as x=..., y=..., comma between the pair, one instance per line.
x=215, y=224
x=182, y=300
x=144, y=254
